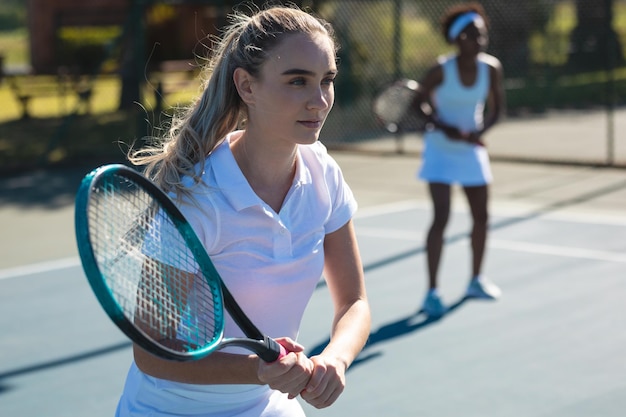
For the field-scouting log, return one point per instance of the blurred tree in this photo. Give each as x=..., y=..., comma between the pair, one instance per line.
x=162, y=20
x=511, y=24
x=594, y=44
x=133, y=57
x=12, y=14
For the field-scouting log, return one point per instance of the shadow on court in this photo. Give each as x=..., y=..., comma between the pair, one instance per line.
x=506, y=222
x=47, y=189
x=510, y=221
x=61, y=362
x=399, y=328
x=418, y=321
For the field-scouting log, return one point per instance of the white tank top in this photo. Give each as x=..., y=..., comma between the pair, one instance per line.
x=459, y=105
x=453, y=161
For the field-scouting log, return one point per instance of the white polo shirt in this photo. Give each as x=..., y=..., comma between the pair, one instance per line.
x=271, y=262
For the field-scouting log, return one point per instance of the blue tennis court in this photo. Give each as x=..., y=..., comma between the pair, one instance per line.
x=552, y=346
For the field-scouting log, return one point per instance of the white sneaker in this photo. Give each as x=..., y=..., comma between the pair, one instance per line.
x=483, y=288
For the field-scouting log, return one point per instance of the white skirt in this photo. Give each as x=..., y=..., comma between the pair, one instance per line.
x=147, y=396
x=453, y=162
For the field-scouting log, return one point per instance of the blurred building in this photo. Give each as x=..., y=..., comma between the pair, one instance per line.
x=62, y=31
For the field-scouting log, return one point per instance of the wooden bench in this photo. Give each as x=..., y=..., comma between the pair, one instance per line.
x=26, y=86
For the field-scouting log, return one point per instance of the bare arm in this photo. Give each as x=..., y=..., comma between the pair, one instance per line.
x=217, y=368
x=496, y=101
x=289, y=374
x=351, y=323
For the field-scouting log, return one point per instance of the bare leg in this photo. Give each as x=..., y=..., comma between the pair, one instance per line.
x=477, y=197
x=440, y=195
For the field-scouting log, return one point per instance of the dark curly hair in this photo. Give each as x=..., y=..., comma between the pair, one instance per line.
x=453, y=12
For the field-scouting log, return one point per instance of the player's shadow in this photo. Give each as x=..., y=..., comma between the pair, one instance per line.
x=399, y=328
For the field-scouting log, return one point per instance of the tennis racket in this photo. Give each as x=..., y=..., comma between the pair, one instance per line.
x=150, y=272
x=392, y=107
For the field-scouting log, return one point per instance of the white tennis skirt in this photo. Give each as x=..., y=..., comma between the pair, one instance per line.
x=453, y=162
x=147, y=396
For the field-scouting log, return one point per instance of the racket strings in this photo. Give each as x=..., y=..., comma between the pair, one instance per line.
x=392, y=106
x=151, y=273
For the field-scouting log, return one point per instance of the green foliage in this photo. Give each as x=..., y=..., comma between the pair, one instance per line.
x=366, y=30
x=582, y=90
x=85, y=48
x=89, y=35
x=14, y=47
x=12, y=15
x=550, y=45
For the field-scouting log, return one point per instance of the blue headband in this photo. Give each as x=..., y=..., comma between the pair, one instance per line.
x=461, y=23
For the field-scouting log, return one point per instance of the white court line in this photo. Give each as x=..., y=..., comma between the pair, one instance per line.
x=39, y=268
x=386, y=233
x=503, y=209
x=580, y=253
x=537, y=248
x=386, y=209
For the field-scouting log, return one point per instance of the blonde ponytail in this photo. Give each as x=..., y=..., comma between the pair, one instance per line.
x=197, y=130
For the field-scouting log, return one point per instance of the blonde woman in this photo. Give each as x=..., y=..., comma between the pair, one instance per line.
x=274, y=213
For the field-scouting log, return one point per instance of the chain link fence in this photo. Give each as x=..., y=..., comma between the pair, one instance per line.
x=565, y=75
x=564, y=66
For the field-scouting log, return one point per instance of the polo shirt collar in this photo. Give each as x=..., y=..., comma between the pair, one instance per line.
x=234, y=185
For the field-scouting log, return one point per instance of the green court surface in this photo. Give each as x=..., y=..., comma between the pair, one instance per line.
x=552, y=346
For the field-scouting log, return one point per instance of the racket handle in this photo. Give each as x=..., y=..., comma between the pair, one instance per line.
x=274, y=350
x=283, y=351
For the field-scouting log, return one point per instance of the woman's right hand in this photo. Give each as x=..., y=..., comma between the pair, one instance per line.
x=289, y=374
x=453, y=133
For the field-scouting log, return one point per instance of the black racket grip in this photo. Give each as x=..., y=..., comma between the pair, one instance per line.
x=273, y=352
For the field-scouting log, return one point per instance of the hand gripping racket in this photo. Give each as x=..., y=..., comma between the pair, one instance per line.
x=392, y=107
x=150, y=272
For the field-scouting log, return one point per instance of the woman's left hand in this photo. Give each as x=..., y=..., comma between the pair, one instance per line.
x=327, y=382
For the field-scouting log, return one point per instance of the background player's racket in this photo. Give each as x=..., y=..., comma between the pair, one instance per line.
x=151, y=273
x=392, y=107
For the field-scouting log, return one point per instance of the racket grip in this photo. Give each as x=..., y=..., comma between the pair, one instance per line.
x=273, y=351
x=283, y=351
